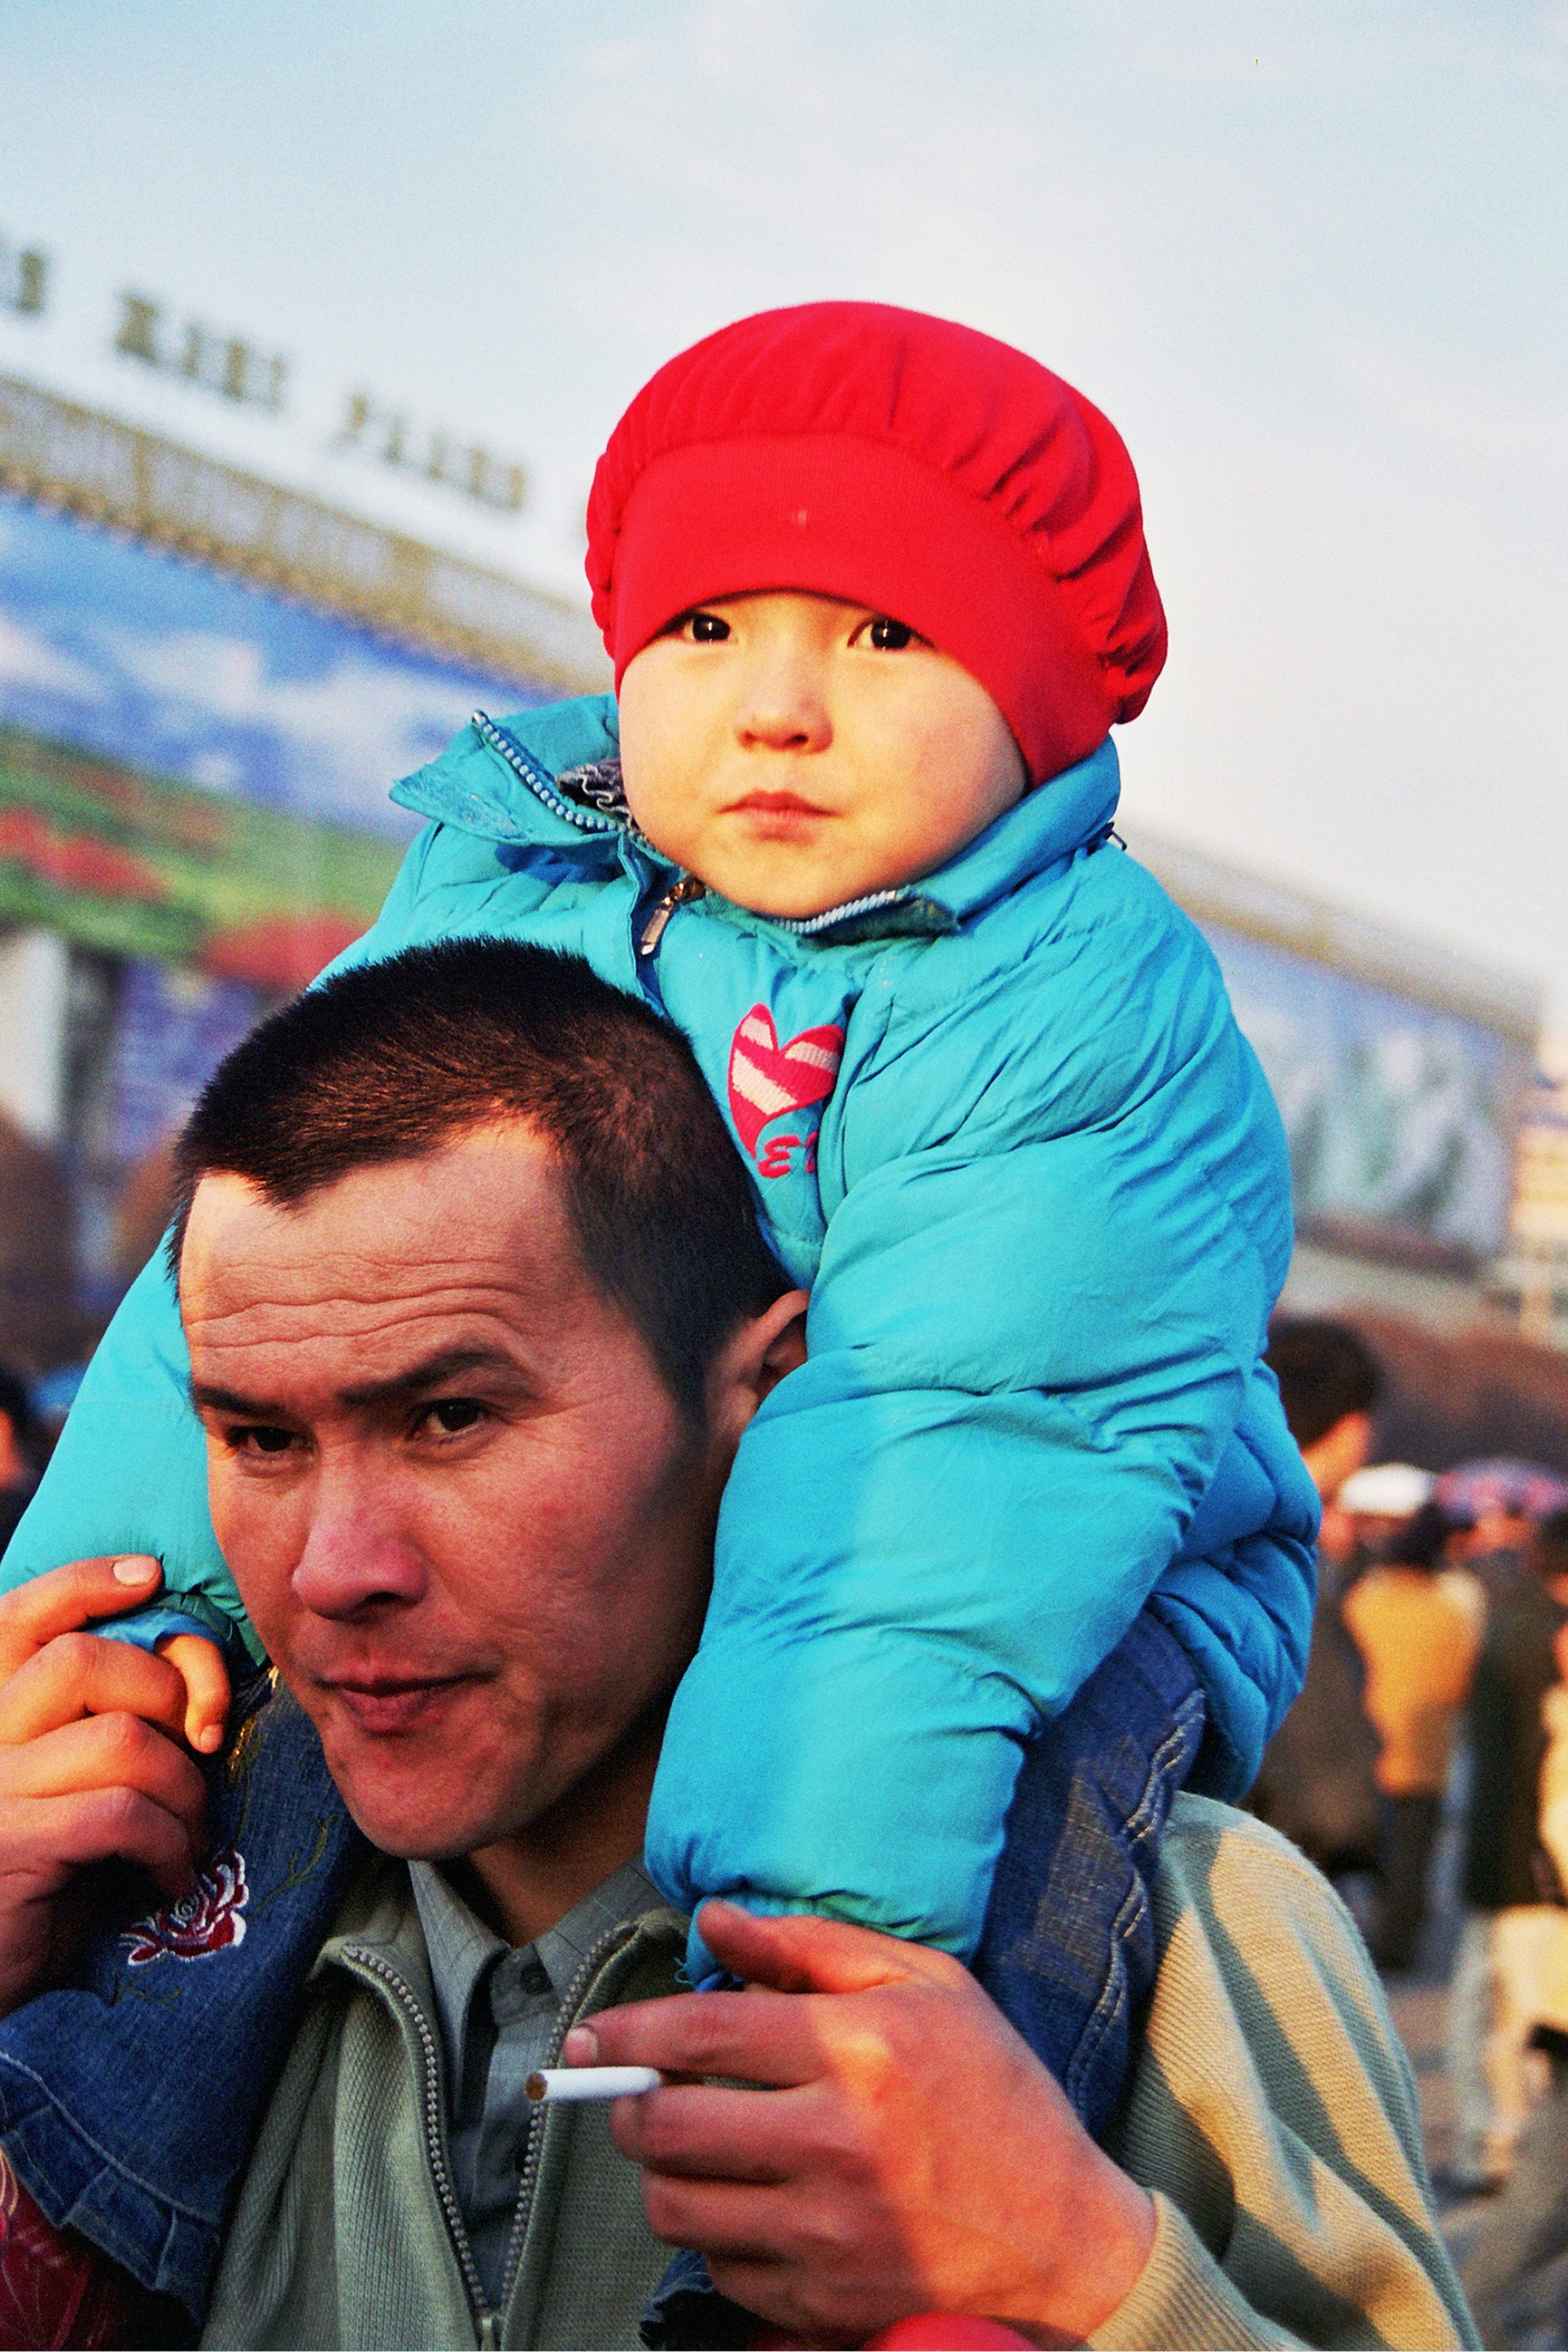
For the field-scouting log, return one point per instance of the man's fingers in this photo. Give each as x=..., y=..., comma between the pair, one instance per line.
x=753, y=2037
x=105, y=1751
x=71, y=1596
x=59, y=1835
x=78, y=1675
x=706, y=2133
x=720, y=2217
x=200, y=1665
x=799, y=1952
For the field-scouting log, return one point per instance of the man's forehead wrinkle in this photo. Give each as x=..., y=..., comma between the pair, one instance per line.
x=440, y=1291
x=435, y=1289
x=357, y=1282
x=453, y=1249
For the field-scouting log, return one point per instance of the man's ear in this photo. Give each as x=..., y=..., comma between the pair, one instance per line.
x=754, y=1360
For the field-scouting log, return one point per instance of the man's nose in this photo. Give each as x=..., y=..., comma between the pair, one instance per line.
x=355, y=1555
x=782, y=705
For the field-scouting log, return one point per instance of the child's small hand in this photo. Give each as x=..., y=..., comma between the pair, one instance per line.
x=201, y=1667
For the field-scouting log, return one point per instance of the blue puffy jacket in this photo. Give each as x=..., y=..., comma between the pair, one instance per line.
x=1003, y=1122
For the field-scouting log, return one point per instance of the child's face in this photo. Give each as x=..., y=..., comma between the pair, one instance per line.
x=795, y=752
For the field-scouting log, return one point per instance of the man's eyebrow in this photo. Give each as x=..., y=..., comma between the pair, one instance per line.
x=432, y=1371
x=205, y=1395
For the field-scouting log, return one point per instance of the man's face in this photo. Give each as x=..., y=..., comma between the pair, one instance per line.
x=795, y=752
x=465, y=1515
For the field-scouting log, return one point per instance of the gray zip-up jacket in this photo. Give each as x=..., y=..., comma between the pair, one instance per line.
x=347, y=2231
x=1270, y=2111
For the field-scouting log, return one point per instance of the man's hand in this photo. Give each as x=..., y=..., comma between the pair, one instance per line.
x=90, y=1766
x=913, y=2154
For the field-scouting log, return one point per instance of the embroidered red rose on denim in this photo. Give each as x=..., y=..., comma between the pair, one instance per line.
x=206, y=1921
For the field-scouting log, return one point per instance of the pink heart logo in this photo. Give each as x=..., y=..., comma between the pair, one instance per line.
x=766, y=1078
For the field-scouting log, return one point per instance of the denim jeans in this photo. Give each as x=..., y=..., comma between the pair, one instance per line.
x=130, y=2095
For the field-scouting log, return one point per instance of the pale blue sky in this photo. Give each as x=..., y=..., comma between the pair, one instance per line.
x=1309, y=255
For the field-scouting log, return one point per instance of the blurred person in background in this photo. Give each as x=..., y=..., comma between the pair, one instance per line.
x=1495, y=1549
x=23, y=1450
x=1317, y=1783
x=1508, y=1931
x=1527, y=2229
x=1418, y=1631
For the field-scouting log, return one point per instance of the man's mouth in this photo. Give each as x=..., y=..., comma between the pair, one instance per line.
x=391, y=1703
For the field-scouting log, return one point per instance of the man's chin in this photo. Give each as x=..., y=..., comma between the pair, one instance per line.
x=417, y=1825
x=410, y=1800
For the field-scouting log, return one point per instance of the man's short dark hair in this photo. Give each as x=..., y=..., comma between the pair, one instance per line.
x=388, y=1061
x=1325, y=1371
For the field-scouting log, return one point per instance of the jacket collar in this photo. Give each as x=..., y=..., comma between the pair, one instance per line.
x=499, y=781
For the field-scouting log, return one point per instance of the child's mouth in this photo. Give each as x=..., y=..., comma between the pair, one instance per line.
x=777, y=814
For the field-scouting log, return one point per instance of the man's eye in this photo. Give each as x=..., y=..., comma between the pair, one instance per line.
x=452, y=1415
x=256, y=1437
x=889, y=637
x=707, y=628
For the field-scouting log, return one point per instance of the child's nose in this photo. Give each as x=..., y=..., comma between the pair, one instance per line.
x=783, y=707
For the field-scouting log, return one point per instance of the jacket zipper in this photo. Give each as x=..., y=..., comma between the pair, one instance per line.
x=488, y=2320
x=541, y=784
x=680, y=894
x=804, y=927
x=609, y=1943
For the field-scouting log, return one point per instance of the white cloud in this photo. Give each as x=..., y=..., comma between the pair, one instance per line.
x=29, y=660
x=355, y=729
x=219, y=772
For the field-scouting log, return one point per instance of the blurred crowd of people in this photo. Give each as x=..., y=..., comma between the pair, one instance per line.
x=1438, y=1679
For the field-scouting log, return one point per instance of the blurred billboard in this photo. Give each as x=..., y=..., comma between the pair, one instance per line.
x=1401, y=1070
x=1400, y=1117
x=208, y=686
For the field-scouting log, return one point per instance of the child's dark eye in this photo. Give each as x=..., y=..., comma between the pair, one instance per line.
x=889, y=637
x=707, y=628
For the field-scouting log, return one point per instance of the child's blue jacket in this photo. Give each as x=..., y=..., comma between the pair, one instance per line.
x=1004, y=1124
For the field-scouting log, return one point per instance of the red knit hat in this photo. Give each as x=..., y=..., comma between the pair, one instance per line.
x=901, y=462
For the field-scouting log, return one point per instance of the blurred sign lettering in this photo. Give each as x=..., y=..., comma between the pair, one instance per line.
x=159, y=335
x=477, y=472
x=24, y=279
x=222, y=363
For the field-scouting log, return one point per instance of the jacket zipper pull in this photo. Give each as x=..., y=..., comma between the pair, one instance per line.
x=677, y=894
x=489, y=2331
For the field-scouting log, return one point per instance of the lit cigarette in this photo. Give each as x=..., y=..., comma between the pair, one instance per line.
x=561, y=2083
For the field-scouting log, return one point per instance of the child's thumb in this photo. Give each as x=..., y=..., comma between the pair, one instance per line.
x=201, y=1667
